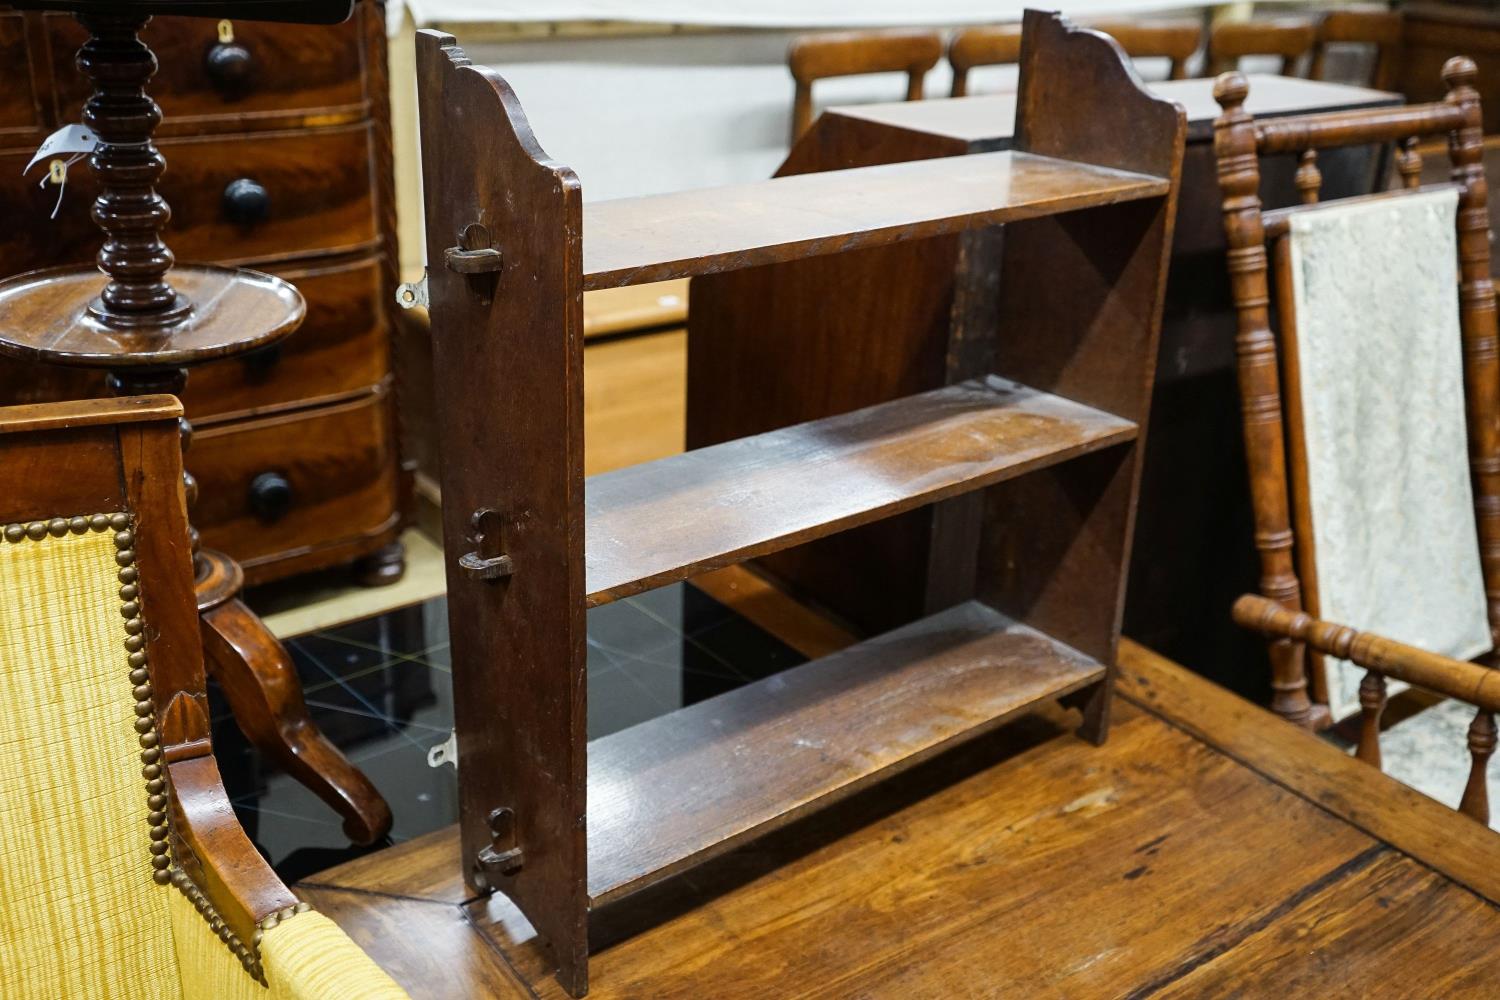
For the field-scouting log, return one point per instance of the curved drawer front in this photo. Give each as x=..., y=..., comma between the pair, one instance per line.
x=226, y=76
x=233, y=199
x=342, y=347
x=291, y=484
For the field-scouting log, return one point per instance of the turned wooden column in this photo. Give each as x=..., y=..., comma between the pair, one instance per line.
x=128, y=165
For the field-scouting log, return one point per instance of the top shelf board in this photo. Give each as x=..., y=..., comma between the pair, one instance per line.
x=631, y=241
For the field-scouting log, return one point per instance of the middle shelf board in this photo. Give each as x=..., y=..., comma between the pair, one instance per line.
x=655, y=523
x=675, y=791
x=630, y=241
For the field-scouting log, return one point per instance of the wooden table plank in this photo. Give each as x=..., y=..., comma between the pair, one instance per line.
x=630, y=241
x=1465, y=851
x=1392, y=913
x=653, y=524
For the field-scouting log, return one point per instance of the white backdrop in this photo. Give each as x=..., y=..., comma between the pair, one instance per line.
x=755, y=13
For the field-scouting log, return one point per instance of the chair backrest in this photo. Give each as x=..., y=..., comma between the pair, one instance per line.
x=1000, y=45
x=856, y=53
x=1289, y=38
x=1177, y=41
x=1376, y=28
x=83, y=805
x=1281, y=499
x=123, y=871
x=989, y=45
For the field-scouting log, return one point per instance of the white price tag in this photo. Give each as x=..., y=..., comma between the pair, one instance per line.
x=78, y=140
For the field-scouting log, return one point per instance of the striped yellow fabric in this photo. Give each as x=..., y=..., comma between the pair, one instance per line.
x=80, y=916
x=306, y=957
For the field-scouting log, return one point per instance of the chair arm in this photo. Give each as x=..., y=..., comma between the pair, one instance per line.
x=1468, y=682
x=212, y=851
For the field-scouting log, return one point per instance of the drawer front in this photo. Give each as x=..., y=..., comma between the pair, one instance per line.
x=233, y=199
x=342, y=347
x=265, y=75
x=287, y=485
x=20, y=109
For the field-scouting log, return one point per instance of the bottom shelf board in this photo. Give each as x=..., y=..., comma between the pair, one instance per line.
x=671, y=793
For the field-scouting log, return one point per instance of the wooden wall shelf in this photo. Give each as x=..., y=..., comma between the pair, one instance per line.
x=1029, y=453
x=680, y=789
x=632, y=241
x=741, y=499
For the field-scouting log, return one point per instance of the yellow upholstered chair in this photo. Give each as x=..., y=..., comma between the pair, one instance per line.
x=123, y=872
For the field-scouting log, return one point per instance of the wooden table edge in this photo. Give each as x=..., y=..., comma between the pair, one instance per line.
x=1420, y=827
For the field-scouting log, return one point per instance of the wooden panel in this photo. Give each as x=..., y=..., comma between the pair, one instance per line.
x=34, y=490
x=337, y=461
x=317, y=182
x=633, y=391
x=510, y=366
x=680, y=789
x=1391, y=927
x=744, y=498
x=342, y=347
x=288, y=74
x=636, y=240
x=20, y=107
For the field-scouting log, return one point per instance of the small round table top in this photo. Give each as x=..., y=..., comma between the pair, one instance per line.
x=44, y=317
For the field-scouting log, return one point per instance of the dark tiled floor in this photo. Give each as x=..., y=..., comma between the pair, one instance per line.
x=381, y=689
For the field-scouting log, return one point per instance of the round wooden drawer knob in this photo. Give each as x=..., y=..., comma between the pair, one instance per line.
x=230, y=67
x=246, y=202
x=270, y=496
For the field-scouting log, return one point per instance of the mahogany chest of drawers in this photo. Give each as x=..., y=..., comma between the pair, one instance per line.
x=277, y=140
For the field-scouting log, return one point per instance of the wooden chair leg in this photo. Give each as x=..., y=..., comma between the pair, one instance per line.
x=264, y=692
x=1476, y=800
x=1371, y=707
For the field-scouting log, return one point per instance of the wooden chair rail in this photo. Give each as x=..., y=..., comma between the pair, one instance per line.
x=1345, y=128
x=1000, y=45
x=1290, y=38
x=854, y=53
x=989, y=45
x=1386, y=658
x=1175, y=40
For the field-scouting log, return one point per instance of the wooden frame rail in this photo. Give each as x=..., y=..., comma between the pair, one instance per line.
x=1239, y=141
x=857, y=53
x=1382, y=658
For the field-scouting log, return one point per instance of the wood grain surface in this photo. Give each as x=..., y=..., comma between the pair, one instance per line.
x=1025, y=864
x=673, y=792
x=634, y=240
x=745, y=498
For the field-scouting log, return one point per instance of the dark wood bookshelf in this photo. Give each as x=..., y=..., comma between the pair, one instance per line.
x=1030, y=453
